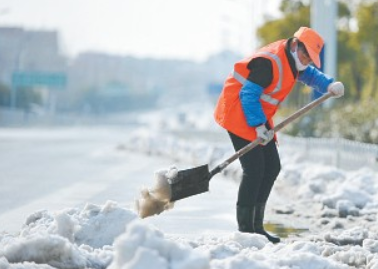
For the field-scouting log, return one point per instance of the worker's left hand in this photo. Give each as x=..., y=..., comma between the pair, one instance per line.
x=336, y=88
x=265, y=134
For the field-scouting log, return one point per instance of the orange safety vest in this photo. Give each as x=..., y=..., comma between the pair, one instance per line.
x=228, y=111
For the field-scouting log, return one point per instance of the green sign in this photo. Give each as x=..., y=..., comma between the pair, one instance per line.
x=32, y=79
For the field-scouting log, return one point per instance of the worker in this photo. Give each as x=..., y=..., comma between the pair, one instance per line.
x=250, y=98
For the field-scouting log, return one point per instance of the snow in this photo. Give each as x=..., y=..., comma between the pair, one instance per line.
x=68, y=201
x=155, y=200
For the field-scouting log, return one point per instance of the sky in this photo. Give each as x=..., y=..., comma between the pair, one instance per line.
x=188, y=29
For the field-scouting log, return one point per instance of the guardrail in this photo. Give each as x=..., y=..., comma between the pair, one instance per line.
x=209, y=147
x=342, y=153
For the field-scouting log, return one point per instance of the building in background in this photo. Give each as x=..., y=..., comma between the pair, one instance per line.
x=97, y=82
x=22, y=49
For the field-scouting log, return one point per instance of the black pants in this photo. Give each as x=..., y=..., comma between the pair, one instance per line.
x=261, y=167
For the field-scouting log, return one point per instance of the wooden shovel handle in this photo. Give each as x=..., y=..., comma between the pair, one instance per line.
x=302, y=111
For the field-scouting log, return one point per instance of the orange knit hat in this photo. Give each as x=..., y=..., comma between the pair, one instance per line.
x=312, y=41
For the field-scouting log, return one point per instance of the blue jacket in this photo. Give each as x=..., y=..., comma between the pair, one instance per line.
x=250, y=94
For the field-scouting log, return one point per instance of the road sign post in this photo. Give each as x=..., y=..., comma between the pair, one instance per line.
x=50, y=80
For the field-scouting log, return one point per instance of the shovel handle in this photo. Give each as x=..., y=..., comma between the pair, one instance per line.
x=302, y=111
x=278, y=127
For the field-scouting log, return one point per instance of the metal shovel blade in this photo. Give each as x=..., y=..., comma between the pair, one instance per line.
x=190, y=182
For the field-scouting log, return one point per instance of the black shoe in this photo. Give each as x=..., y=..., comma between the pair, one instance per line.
x=258, y=226
x=271, y=238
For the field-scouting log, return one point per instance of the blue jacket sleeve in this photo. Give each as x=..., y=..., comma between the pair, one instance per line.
x=250, y=101
x=315, y=79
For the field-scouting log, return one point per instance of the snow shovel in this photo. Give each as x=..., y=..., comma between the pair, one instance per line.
x=196, y=180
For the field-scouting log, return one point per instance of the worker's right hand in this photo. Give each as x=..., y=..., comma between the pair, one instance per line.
x=336, y=88
x=265, y=134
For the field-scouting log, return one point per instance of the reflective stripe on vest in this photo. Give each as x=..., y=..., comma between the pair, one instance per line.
x=266, y=97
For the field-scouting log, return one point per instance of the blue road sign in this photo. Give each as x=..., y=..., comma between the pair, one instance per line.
x=56, y=81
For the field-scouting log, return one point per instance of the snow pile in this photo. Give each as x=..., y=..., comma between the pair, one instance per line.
x=93, y=225
x=179, y=149
x=145, y=247
x=69, y=238
x=112, y=237
x=354, y=236
x=341, y=194
x=242, y=250
x=157, y=199
x=141, y=245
